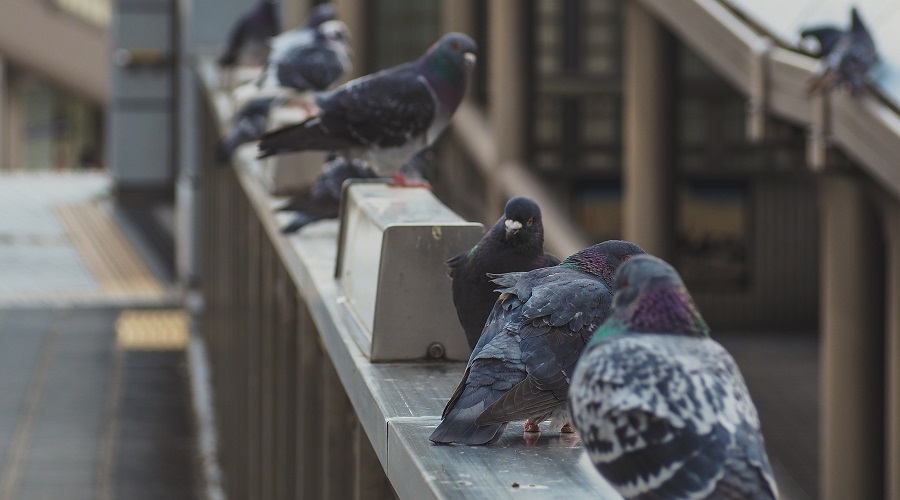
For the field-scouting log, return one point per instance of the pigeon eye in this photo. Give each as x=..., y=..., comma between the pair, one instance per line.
x=530, y=221
x=456, y=45
x=625, y=258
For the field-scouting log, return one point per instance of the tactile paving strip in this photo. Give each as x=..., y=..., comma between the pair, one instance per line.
x=152, y=330
x=111, y=258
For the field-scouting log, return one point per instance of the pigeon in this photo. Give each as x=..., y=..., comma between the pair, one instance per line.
x=521, y=366
x=847, y=56
x=387, y=117
x=662, y=408
x=514, y=243
x=309, y=58
x=249, y=123
x=250, y=34
x=322, y=200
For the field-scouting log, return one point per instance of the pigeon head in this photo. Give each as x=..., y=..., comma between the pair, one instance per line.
x=320, y=14
x=522, y=217
x=333, y=31
x=445, y=66
x=651, y=298
x=603, y=259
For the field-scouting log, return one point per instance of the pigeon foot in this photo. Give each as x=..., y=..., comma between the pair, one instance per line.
x=567, y=429
x=400, y=180
x=532, y=427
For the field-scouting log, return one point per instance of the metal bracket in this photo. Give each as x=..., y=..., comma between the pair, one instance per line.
x=392, y=247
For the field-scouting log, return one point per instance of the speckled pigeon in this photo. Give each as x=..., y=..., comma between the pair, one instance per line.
x=521, y=366
x=248, y=40
x=847, y=56
x=249, y=124
x=661, y=408
x=311, y=57
x=514, y=243
x=389, y=116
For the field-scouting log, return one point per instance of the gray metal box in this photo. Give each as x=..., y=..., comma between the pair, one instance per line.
x=391, y=271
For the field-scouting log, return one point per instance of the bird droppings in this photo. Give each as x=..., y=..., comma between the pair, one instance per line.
x=515, y=485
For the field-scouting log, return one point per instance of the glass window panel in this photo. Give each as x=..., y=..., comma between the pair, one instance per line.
x=599, y=212
x=712, y=235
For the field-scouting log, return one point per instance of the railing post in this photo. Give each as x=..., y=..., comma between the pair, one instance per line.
x=371, y=482
x=286, y=363
x=308, y=438
x=337, y=424
x=267, y=297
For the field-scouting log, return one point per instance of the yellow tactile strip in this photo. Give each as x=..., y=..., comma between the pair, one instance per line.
x=111, y=258
x=152, y=330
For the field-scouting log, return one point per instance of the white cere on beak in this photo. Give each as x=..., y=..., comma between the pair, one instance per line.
x=470, y=59
x=512, y=225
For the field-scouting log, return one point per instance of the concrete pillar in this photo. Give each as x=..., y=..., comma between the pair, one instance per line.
x=355, y=13
x=506, y=88
x=4, y=165
x=294, y=13
x=892, y=349
x=648, y=208
x=14, y=122
x=457, y=16
x=851, y=342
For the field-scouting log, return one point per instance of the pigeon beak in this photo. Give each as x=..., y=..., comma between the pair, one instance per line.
x=471, y=58
x=512, y=227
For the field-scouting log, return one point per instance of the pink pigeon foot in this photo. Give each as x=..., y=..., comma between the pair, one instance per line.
x=400, y=180
x=567, y=429
x=532, y=427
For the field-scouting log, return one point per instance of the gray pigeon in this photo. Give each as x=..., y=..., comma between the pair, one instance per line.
x=249, y=123
x=661, y=408
x=309, y=58
x=521, y=366
x=387, y=117
x=249, y=36
x=323, y=199
x=514, y=243
x=847, y=56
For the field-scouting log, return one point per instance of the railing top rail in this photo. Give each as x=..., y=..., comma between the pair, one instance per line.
x=399, y=404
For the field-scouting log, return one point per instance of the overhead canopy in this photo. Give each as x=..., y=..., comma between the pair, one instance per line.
x=784, y=20
x=754, y=45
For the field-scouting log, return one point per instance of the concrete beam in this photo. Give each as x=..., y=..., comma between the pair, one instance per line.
x=61, y=47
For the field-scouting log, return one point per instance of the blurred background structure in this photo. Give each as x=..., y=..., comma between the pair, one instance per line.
x=684, y=126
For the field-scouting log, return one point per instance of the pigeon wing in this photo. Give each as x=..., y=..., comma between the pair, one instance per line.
x=387, y=109
x=554, y=324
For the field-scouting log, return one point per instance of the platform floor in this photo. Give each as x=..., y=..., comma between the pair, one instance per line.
x=94, y=393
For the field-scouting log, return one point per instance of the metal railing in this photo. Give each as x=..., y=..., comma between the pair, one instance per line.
x=302, y=412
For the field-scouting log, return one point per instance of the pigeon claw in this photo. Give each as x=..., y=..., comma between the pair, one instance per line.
x=567, y=429
x=532, y=426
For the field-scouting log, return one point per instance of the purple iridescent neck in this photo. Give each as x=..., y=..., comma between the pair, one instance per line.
x=665, y=309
